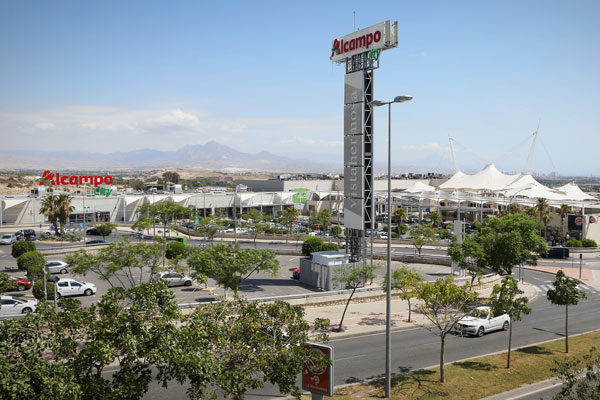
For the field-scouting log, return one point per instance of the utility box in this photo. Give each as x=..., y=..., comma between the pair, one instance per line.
x=320, y=271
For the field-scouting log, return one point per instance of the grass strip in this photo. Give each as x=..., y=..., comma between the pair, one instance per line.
x=478, y=377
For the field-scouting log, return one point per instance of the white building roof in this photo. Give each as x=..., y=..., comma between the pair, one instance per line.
x=419, y=187
x=573, y=192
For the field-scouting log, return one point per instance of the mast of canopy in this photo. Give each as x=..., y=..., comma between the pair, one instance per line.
x=527, y=169
x=453, y=155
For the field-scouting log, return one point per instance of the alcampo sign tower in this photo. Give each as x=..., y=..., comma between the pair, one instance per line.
x=360, y=51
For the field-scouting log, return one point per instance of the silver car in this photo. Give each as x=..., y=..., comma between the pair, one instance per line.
x=57, y=267
x=8, y=238
x=173, y=278
x=12, y=305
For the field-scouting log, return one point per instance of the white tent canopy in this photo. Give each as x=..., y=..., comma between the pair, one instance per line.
x=535, y=190
x=573, y=192
x=455, y=182
x=419, y=187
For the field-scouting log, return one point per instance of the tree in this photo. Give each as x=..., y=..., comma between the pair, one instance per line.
x=22, y=247
x=336, y=232
x=6, y=284
x=175, y=249
x=136, y=184
x=351, y=276
x=33, y=263
x=565, y=293
x=231, y=265
x=580, y=377
x=290, y=216
x=563, y=211
x=50, y=208
x=406, y=281
x=421, y=235
x=435, y=218
x=143, y=223
x=400, y=213
x=172, y=177
x=531, y=211
x=63, y=203
x=168, y=211
x=106, y=229
x=505, y=301
x=510, y=240
x=324, y=219
x=444, y=304
x=120, y=264
x=311, y=245
x=256, y=224
x=469, y=255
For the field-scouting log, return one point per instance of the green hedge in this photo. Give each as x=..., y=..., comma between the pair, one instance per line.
x=581, y=243
x=22, y=247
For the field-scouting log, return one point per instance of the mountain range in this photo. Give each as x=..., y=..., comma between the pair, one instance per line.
x=210, y=156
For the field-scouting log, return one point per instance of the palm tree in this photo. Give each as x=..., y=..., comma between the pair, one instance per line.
x=399, y=214
x=63, y=203
x=563, y=211
x=545, y=218
x=49, y=208
x=531, y=211
x=541, y=207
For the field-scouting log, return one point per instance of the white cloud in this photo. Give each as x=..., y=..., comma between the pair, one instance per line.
x=90, y=125
x=45, y=125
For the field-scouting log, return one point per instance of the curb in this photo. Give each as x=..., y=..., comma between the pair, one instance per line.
x=526, y=390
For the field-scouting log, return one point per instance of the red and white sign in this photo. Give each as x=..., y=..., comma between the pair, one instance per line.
x=381, y=36
x=317, y=376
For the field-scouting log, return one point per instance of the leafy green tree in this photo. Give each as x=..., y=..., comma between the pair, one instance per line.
x=175, y=249
x=290, y=215
x=136, y=184
x=580, y=377
x=469, y=255
x=337, y=232
x=505, y=301
x=121, y=264
x=231, y=265
x=324, y=219
x=329, y=247
x=33, y=263
x=168, y=211
x=143, y=223
x=421, y=235
x=21, y=247
x=399, y=214
x=510, y=240
x=6, y=284
x=257, y=224
x=444, y=304
x=351, y=276
x=565, y=293
x=106, y=229
x=311, y=245
x=406, y=281
x=170, y=176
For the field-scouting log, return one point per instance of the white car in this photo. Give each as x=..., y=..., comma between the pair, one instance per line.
x=71, y=287
x=481, y=321
x=8, y=238
x=57, y=267
x=173, y=278
x=13, y=305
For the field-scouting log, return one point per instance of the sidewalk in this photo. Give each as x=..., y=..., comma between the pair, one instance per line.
x=369, y=317
x=590, y=277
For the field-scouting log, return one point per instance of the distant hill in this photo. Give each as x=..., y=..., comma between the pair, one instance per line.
x=210, y=156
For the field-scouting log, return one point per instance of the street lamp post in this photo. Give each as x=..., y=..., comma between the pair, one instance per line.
x=388, y=296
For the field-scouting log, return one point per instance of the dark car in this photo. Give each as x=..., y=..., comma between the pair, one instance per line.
x=25, y=234
x=96, y=242
x=92, y=232
x=557, y=252
x=296, y=273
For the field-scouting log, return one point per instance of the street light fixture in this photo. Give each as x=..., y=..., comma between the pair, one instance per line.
x=388, y=296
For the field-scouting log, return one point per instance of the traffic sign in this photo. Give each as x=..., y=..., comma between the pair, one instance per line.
x=317, y=376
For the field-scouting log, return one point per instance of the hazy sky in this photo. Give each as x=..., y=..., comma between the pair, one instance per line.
x=122, y=75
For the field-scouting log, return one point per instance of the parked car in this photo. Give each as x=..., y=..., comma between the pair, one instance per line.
x=12, y=305
x=20, y=283
x=71, y=287
x=8, y=238
x=57, y=267
x=96, y=242
x=173, y=278
x=25, y=234
x=92, y=232
x=296, y=273
x=557, y=252
x=481, y=321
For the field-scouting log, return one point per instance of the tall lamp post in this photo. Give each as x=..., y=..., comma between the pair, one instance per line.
x=388, y=296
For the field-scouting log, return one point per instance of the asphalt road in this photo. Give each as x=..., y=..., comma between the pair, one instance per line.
x=362, y=358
